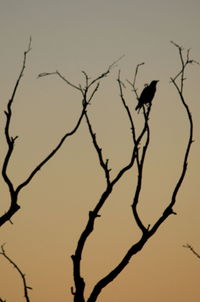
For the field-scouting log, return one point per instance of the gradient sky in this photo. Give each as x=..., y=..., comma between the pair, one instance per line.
x=71, y=36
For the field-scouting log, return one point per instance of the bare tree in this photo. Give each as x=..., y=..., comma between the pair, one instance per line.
x=140, y=145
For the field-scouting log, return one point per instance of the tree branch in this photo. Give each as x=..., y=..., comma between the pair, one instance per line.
x=133, y=83
x=179, y=87
x=188, y=246
x=14, y=207
x=147, y=233
x=10, y=140
x=140, y=161
x=103, y=164
x=140, y=168
x=22, y=275
x=88, y=92
x=78, y=279
x=52, y=153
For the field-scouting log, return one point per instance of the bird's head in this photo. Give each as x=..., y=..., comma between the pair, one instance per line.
x=154, y=83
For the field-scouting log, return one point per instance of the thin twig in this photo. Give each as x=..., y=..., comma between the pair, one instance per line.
x=133, y=83
x=103, y=163
x=192, y=250
x=22, y=275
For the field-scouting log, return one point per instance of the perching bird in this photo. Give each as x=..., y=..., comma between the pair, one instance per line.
x=147, y=95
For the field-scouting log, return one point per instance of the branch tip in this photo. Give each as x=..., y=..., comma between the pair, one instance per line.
x=72, y=291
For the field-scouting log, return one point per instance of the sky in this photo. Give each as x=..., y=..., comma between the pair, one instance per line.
x=76, y=36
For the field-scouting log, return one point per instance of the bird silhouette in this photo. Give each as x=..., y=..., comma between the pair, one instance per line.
x=147, y=95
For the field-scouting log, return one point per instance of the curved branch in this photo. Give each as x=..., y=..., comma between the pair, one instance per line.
x=22, y=275
x=14, y=207
x=103, y=164
x=147, y=233
x=118, y=269
x=52, y=153
x=140, y=167
x=10, y=140
x=78, y=279
x=169, y=209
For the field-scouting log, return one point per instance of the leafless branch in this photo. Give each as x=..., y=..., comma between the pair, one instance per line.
x=10, y=144
x=121, y=86
x=188, y=246
x=43, y=74
x=140, y=167
x=184, y=62
x=78, y=279
x=103, y=163
x=140, y=162
x=52, y=153
x=88, y=83
x=22, y=275
x=179, y=87
x=9, y=139
x=14, y=206
x=133, y=83
x=139, y=155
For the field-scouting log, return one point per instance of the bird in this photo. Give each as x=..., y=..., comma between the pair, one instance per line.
x=147, y=95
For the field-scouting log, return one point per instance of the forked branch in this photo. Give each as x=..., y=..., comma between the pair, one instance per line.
x=14, y=192
x=179, y=87
x=77, y=257
x=138, y=155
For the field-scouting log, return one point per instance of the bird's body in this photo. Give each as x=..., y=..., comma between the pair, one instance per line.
x=147, y=95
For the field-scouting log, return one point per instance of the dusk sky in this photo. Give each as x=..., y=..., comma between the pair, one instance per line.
x=74, y=36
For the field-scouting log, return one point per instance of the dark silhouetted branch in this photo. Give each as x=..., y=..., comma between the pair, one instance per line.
x=14, y=206
x=78, y=279
x=133, y=84
x=188, y=246
x=140, y=158
x=140, y=167
x=179, y=87
x=117, y=270
x=22, y=275
x=138, y=155
x=103, y=163
x=88, y=90
x=53, y=152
